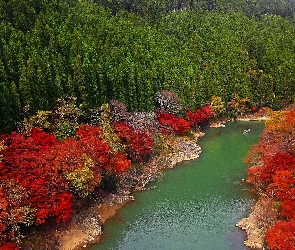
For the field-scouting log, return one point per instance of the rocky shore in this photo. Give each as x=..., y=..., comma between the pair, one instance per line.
x=263, y=216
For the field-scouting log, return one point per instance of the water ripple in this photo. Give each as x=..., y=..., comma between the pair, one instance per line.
x=206, y=222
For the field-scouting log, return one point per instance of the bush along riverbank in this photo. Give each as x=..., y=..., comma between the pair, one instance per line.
x=271, y=224
x=67, y=170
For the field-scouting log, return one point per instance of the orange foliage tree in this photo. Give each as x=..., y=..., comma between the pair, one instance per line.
x=281, y=236
x=274, y=174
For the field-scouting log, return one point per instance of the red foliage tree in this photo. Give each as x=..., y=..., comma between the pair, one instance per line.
x=3, y=214
x=9, y=246
x=169, y=123
x=139, y=144
x=72, y=157
x=25, y=164
x=69, y=153
x=87, y=131
x=253, y=176
x=201, y=115
x=275, y=175
x=288, y=207
x=281, y=236
x=118, y=163
x=279, y=162
x=282, y=185
x=37, y=171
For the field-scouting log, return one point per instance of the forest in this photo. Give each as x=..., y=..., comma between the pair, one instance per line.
x=77, y=75
x=57, y=49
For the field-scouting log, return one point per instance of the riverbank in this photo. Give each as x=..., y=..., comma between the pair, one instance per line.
x=86, y=227
x=262, y=215
x=185, y=149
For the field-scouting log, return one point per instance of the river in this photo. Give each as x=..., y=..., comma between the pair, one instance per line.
x=196, y=205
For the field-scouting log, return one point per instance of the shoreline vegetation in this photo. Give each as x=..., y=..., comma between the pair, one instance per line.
x=75, y=237
x=178, y=142
x=95, y=167
x=175, y=140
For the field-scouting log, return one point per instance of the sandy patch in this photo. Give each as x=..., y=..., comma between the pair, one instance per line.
x=253, y=118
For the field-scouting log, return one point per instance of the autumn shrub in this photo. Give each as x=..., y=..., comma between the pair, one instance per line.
x=40, y=176
x=171, y=124
x=107, y=131
x=281, y=186
x=41, y=120
x=118, y=111
x=81, y=162
x=276, y=117
x=85, y=131
x=273, y=175
x=281, y=124
x=168, y=101
x=239, y=106
x=34, y=185
x=82, y=180
x=96, y=149
x=279, y=162
x=2, y=147
x=281, y=236
x=254, y=155
x=118, y=163
x=65, y=130
x=143, y=121
x=104, y=157
x=139, y=144
x=165, y=144
x=288, y=207
x=140, y=147
x=254, y=177
x=9, y=246
x=264, y=111
x=66, y=110
x=200, y=116
x=217, y=106
x=14, y=210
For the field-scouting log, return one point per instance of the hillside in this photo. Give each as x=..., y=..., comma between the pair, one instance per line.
x=56, y=49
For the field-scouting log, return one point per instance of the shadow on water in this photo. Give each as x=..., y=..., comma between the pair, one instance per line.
x=197, y=204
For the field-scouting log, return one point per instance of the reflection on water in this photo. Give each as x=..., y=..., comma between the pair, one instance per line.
x=198, y=203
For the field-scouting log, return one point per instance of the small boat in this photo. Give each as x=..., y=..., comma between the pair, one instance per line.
x=246, y=131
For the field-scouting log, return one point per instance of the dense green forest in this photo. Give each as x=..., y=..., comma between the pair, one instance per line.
x=128, y=50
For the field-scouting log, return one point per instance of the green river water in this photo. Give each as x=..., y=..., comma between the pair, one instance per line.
x=197, y=204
